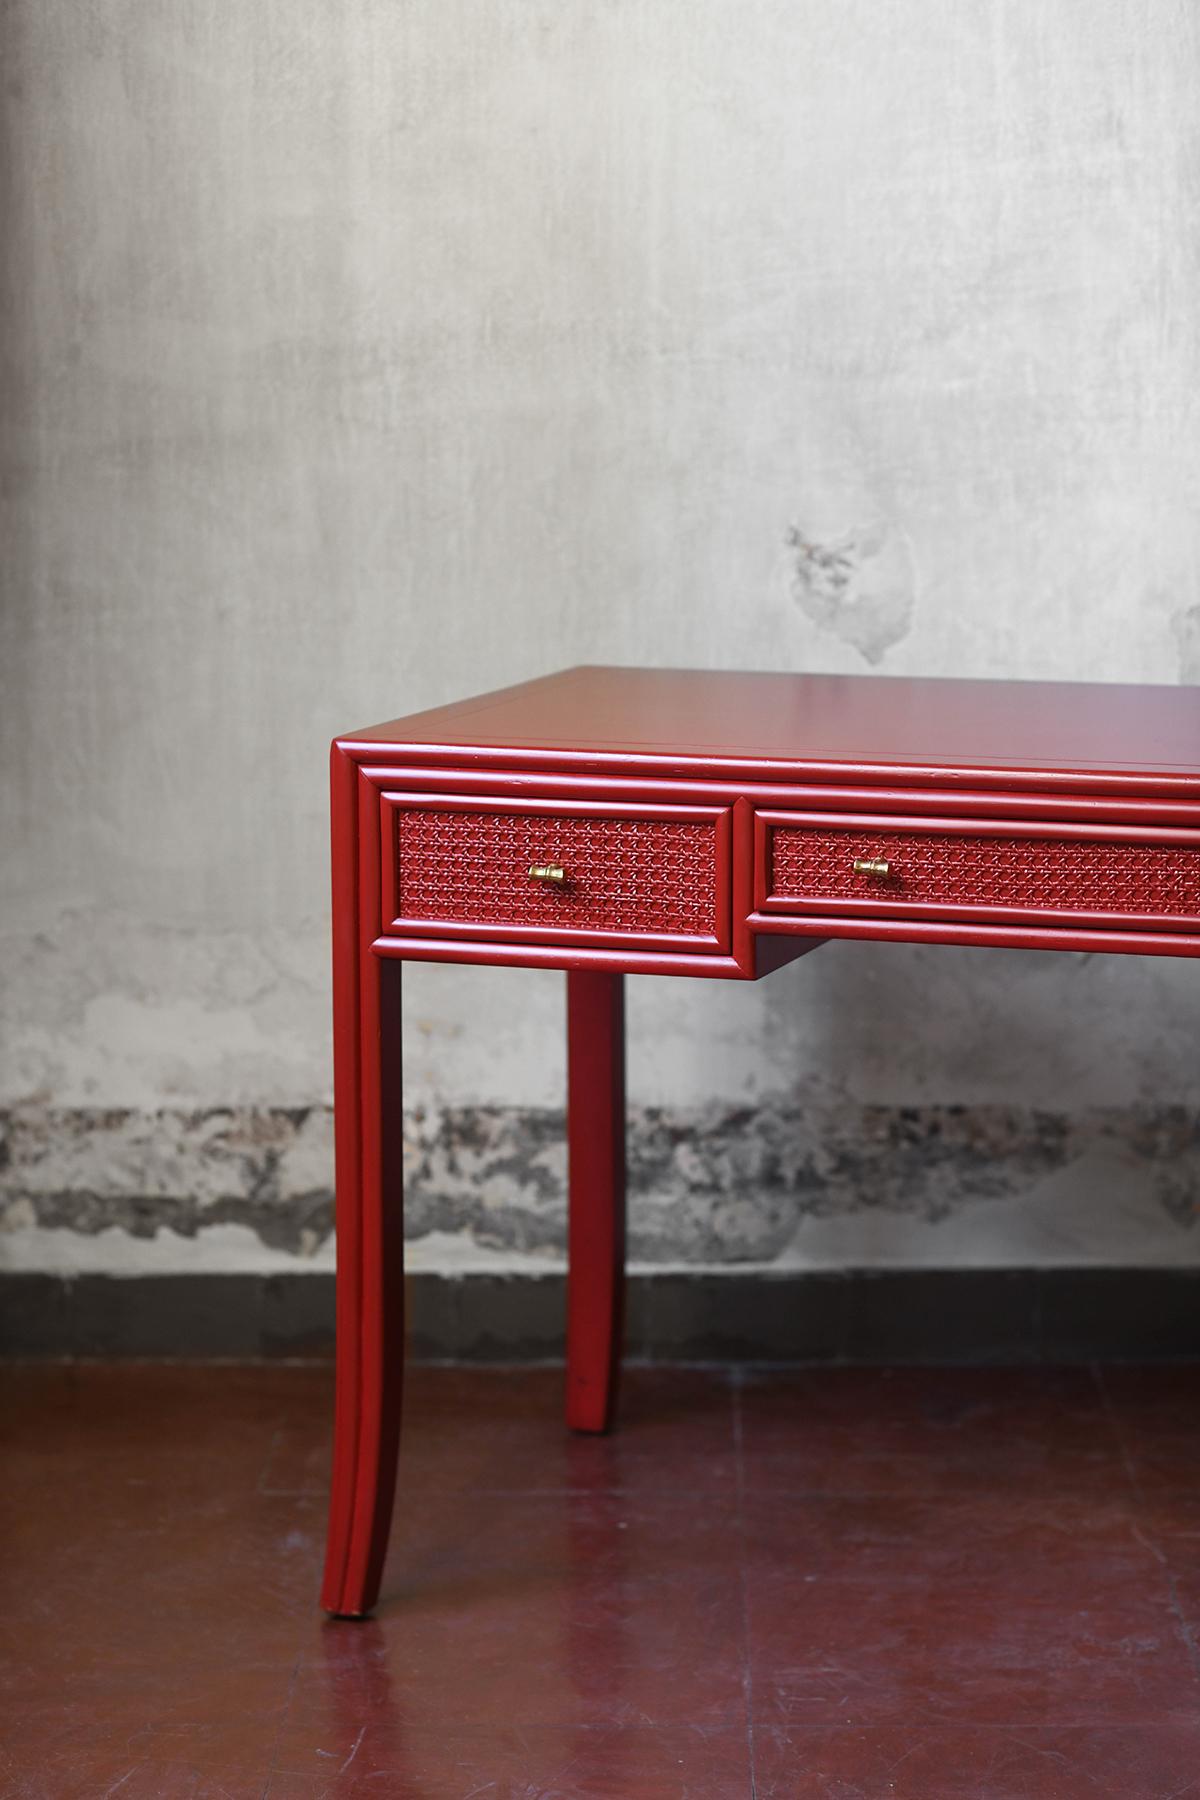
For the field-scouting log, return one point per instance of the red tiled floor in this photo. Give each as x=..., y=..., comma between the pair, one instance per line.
x=548, y=1650
x=918, y=1762
x=677, y=1430
x=94, y=1778
x=927, y=1431
x=1154, y=1413
x=955, y=1654
x=940, y=1584
x=609, y=1762
x=1051, y=1548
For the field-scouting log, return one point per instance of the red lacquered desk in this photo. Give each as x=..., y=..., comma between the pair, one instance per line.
x=606, y=821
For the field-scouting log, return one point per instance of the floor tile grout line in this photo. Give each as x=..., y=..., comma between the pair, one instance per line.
x=739, y=1469
x=1186, y=1631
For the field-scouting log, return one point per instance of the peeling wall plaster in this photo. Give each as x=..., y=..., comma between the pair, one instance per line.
x=774, y=1184
x=860, y=586
x=356, y=357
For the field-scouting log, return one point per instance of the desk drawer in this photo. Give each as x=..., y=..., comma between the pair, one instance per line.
x=637, y=875
x=978, y=870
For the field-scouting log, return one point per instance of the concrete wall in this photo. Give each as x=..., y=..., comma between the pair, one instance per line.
x=359, y=355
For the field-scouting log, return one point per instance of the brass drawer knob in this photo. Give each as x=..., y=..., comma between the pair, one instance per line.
x=871, y=866
x=546, y=872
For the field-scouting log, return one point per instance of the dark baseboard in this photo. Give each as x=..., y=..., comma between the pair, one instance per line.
x=860, y=1316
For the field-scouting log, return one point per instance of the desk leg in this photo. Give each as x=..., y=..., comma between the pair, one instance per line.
x=596, y=1230
x=370, y=1290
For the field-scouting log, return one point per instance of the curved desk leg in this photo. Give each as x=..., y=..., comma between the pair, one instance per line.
x=370, y=1289
x=596, y=1228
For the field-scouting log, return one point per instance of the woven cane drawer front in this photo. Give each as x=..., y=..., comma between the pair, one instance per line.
x=976, y=871
x=628, y=875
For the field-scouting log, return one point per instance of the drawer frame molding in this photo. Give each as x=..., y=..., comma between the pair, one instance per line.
x=884, y=904
x=393, y=806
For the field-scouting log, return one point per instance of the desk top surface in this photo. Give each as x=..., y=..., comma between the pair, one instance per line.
x=637, y=716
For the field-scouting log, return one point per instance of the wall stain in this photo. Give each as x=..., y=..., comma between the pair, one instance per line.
x=859, y=586
x=709, y=1185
